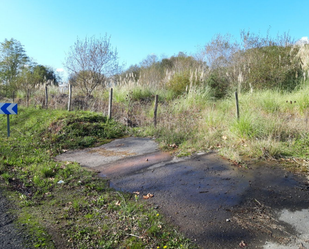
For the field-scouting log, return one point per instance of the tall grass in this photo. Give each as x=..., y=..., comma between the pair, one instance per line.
x=272, y=123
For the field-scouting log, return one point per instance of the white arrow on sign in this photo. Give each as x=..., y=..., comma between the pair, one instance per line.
x=8, y=108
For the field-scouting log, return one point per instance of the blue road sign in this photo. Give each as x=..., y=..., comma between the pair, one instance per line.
x=8, y=108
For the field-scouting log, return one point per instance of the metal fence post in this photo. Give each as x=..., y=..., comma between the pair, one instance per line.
x=237, y=105
x=110, y=104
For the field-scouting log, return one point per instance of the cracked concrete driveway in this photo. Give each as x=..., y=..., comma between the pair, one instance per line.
x=215, y=204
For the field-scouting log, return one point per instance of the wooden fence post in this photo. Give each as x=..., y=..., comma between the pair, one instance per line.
x=8, y=124
x=27, y=98
x=110, y=104
x=46, y=97
x=155, y=111
x=70, y=98
x=237, y=105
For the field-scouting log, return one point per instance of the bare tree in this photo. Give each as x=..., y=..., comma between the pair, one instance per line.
x=219, y=51
x=91, y=62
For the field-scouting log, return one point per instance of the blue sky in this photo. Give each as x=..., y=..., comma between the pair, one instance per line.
x=47, y=28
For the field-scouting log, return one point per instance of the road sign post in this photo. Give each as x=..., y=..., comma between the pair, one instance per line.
x=8, y=109
x=8, y=122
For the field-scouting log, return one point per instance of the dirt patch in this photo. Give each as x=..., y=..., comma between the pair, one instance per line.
x=129, y=165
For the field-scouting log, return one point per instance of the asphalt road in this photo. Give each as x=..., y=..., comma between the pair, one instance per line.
x=215, y=204
x=10, y=236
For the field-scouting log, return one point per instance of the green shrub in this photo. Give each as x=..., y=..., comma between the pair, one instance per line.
x=272, y=67
x=179, y=82
x=219, y=85
x=48, y=172
x=83, y=130
x=142, y=94
x=6, y=176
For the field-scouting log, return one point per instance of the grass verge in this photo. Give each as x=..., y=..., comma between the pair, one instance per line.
x=272, y=125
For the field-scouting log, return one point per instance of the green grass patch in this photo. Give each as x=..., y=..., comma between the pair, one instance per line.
x=62, y=205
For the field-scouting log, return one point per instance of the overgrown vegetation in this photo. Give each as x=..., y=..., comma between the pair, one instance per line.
x=272, y=125
x=224, y=64
x=196, y=113
x=62, y=205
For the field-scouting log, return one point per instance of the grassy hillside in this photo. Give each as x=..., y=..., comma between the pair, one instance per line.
x=62, y=205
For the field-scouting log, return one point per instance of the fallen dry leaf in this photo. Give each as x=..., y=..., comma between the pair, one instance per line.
x=136, y=192
x=242, y=244
x=173, y=145
x=148, y=196
x=301, y=246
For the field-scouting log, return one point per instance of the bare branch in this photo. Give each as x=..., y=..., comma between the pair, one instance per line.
x=92, y=61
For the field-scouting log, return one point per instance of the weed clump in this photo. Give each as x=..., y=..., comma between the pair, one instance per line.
x=83, y=130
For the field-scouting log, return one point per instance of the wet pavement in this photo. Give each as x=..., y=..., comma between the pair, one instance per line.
x=215, y=204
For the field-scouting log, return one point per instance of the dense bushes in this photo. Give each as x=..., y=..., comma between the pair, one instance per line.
x=250, y=63
x=219, y=85
x=271, y=67
x=179, y=82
